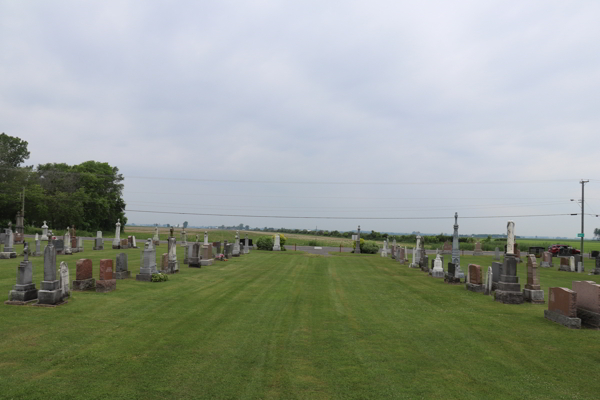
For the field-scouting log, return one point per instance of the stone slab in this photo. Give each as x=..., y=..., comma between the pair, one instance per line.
x=572, y=323
x=588, y=318
x=5, y=255
x=122, y=274
x=144, y=277
x=563, y=301
x=23, y=296
x=107, y=285
x=508, y=297
x=49, y=297
x=205, y=263
x=83, y=269
x=83, y=285
x=588, y=295
x=474, y=287
x=533, y=296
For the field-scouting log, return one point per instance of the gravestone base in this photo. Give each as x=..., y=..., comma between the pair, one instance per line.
x=508, y=297
x=98, y=248
x=83, y=285
x=588, y=318
x=545, y=264
x=9, y=249
x=106, y=285
x=424, y=268
x=208, y=262
x=437, y=274
x=533, y=296
x=276, y=248
x=172, y=268
x=49, y=293
x=75, y=250
x=156, y=242
x=5, y=255
x=20, y=303
x=452, y=280
x=573, y=323
x=122, y=274
x=596, y=271
x=36, y=254
x=61, y=302
x=23, y=293
x=413, y=265
x=478, y=253
x=144, y=277
x=473, y=287
x=116, y=246
x=565, y=268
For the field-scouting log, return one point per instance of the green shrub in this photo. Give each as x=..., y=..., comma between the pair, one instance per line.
x=265, y=243
x=314, y=242
x=160, y=277
x=369, y=248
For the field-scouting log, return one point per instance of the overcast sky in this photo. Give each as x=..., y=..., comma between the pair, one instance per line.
x=382, y=109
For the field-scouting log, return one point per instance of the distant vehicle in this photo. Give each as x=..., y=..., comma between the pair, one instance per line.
x=562, y=249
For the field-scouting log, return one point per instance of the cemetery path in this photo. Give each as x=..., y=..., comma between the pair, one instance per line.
x=324, y=251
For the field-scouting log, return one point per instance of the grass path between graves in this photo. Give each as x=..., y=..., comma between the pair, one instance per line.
x=291, y=325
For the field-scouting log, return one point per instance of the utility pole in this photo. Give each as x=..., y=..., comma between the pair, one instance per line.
x=582, y=212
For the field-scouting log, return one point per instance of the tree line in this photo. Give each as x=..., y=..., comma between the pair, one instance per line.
x=88, y=195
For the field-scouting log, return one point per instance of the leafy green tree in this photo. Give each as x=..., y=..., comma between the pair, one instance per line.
x=597, y=233
x=185, y=225
x=13, y=151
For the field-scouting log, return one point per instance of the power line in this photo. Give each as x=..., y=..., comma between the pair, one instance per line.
x=351, y=218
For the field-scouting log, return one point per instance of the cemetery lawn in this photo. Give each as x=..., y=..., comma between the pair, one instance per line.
x=291, y=325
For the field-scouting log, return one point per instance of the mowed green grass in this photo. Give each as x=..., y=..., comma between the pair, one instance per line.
x=291, y=325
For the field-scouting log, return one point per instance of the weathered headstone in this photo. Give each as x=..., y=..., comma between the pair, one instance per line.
x=80, y=244
x=496, y=273
x=447, y=248
x=572, y=264
x=172, y=263
x=63, y=281
x=546, y=260
x=183, y=238
x=9, y=241
x=489, y=279
x=533, y=292
x=596, y=270
x=122, y=271
x=38, y=244
x=207, y=255
x=236, y=246
x=497, y=254
x=156, y=237
x=49, y=293
x=74, y=245
x=148, y=264
x=276, y=245
x=401, y=256
x=562, y=307
x=509, y=288
x=438, y=268
x=84, y=279
x=478, y=251
x=246, y=245
x=195, y=256
x=206, y=237
x=357, y=243
x=44, y=231
x=67, y=243
x=24, y=290
x=106, y=281
x=588, y=303
x=99, y=242
x=116, y=243
x=133, y=242
x=455, y=249
x=414, y=263
x=384, y=250
x=475, y=282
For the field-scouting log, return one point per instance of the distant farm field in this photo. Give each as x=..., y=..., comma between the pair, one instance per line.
x=281, y=325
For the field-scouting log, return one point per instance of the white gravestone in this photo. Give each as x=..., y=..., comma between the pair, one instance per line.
x=116, y=244
x=276, y=245
x=63, y=281
x=384, y=250
x=488, y=281
x=510, y=237
x=438, y=269
x=205, y=238
x=572, y=264
x=44, y=231
x=67, y=242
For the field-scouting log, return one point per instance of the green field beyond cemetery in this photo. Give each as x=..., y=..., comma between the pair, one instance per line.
x=291, y=325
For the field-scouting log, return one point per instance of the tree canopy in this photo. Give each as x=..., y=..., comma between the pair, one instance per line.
x=88, y=195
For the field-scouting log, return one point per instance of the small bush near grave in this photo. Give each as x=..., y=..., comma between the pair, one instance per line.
x=366, y=247
x=160, y=277
x=314, y=243
x=264, y=243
